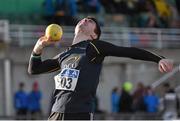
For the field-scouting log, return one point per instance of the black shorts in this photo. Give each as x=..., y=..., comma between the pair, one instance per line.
x=70, y=116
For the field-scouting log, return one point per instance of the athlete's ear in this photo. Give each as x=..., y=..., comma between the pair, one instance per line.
x=94, y=36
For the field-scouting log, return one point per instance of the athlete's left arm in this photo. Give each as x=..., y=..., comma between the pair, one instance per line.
x=108, y=49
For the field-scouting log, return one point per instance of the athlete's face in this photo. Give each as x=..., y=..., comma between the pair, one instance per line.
x=87, y=27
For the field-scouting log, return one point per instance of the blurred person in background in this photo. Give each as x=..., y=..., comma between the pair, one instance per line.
x=49, y=11
x=147, y=14
x=115, y=97
x=164, y=12
x=126, y=100
x=171, y=103
x=66, y=12
x=138, y=101
x=62, y=12
x=151, y=101
x=92, y=6
x=168, y=88
x=20, y=102
x=79, y=68
x=178, y=6
x=109, y=6
x=34, y=101
x=175, y=19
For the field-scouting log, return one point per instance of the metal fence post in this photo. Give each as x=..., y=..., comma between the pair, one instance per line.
x=8, y=91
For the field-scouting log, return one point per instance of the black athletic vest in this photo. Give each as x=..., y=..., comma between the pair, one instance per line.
x=76, y=66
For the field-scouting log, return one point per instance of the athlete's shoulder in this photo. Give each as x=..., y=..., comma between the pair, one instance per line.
x=101, y=46
x=62, y=53
x=100, y=42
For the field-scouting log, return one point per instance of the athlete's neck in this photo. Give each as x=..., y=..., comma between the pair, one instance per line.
x=79, y=38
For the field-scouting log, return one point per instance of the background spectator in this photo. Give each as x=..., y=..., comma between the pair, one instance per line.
x=49, y=11
x=151, y=101
x=109, y=6
x=171, y=103
x=65, y=12
x=138, y=101
x=115, y=97
x=34, y=101
x=20, y=102
x=91, y=6
x=178, y=6
x=126, y=100
x=163, y=11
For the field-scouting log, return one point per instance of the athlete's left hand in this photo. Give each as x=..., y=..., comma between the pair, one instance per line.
x=165, y=65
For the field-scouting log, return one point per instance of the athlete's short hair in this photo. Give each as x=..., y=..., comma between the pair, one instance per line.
x=98, y=29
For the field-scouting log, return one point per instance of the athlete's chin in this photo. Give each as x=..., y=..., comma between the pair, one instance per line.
x=82, y=28
x=78, y=28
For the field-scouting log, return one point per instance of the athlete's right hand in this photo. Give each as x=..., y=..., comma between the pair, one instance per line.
x=41, y=43
x=45, y=41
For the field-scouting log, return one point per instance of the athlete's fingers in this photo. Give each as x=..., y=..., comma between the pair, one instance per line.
x=45, y=41
x=166, y=65
x=42, y=38
x=160, y=69
x=163, y=67
x=50, y=41
x=169, y=65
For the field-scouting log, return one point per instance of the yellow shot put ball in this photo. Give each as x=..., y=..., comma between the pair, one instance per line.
x=54, y=31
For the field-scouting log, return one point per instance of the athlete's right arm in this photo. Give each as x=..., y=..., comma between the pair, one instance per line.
x=36, y=65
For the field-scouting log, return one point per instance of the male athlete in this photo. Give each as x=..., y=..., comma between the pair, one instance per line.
x=79, y=68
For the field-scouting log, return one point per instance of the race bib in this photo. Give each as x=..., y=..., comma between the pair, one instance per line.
x=67, y=79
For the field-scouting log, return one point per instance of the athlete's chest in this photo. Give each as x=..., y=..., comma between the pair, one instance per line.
x=71, y=63
x=73, y=57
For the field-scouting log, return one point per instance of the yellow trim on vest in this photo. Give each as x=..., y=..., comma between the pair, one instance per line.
x=54, y=69
x=93, y=59
x=95, y=48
